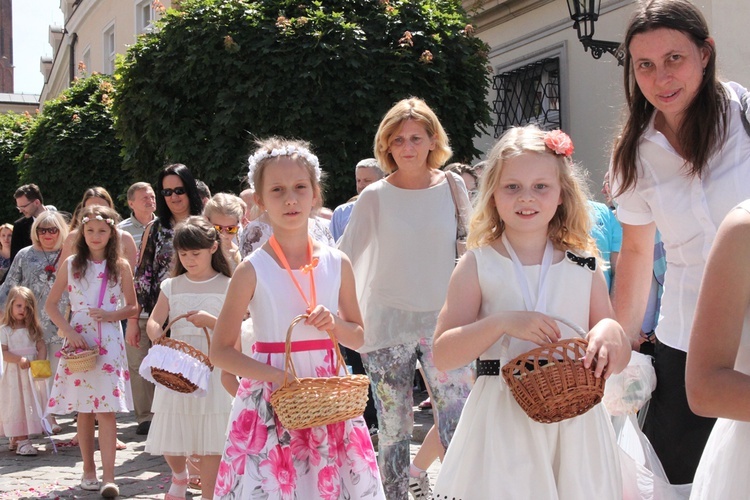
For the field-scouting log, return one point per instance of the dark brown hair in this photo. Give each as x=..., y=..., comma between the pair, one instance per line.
x=704, y=126
x=196, y=233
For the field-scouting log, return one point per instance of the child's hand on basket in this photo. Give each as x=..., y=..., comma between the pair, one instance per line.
x=528, y=325
x=608, y=350
x=76, y=340
x=201, y=319
x=321, y=318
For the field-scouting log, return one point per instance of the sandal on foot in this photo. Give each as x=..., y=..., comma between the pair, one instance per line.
x=26, y=449
x=109, y=490
x=194, y=473
x=119, y=445
x=56, y=429
x=89, y=484
x=177, y=482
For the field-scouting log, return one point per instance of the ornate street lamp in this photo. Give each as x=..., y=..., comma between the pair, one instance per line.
x=584, y=14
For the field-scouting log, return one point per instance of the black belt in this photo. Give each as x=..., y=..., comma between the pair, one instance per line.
x=489, y=367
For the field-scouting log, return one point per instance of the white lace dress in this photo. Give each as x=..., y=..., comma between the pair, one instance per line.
x=184, y=424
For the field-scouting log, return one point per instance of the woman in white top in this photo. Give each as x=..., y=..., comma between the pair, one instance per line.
x=681, y=163
x=401, y=239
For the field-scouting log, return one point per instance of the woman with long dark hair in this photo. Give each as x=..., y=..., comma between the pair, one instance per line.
x=681, y=163
x=177, y=199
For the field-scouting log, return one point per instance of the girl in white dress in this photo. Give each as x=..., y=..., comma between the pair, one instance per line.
x=21, y=337
x=718, y=362
x=97, y=279
x=288, y=276
x=183, y=424
x=530, y=255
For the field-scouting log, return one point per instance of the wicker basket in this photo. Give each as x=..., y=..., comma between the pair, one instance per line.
x=81, y=361
x=313, y=401
x=177, y=381
x=550, y=382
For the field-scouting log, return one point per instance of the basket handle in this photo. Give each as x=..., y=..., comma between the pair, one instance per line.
x=505, y=345
x=175, y=320
x=289, y=364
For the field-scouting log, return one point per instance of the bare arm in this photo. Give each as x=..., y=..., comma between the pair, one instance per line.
x=158, y=316
x=41, y=349
x=67, y=246
x=460, y=337
x=223, y=352
x=229, y=380
x=129, y=249
x=9, y=357
x=714, y=387
x=634, y=270
x=609, y=346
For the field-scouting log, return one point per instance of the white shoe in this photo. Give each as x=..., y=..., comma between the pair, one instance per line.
x=419, y=487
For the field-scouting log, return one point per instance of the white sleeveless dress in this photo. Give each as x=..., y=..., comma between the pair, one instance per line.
x=261, y=458
x=184, y=424
x=498, y=451
x=725, y=463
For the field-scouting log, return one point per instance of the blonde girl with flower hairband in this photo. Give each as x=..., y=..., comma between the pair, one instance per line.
x=97, y=279
x=530, y=256
x=290, y=275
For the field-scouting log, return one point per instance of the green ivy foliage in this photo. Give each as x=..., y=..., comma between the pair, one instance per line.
x=13, y=128
x=219, y=73
x=72, y=146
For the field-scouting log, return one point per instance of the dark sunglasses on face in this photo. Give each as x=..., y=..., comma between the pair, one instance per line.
x=227, y=229
x=44, y=230
x=179, y=191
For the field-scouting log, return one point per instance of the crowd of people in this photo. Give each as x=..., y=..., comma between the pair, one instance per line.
x=446, y=271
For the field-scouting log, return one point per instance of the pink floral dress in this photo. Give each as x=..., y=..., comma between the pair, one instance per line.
x=261, y=458
x=105, y=388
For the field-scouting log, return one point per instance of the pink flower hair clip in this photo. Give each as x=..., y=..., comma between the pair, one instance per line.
x=559, y=142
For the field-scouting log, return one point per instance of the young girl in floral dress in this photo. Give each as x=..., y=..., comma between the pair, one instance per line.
x=261, y=457
x=97, y=279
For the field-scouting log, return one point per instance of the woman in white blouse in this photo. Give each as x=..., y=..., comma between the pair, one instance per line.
x=681, y=163
x=401, y=239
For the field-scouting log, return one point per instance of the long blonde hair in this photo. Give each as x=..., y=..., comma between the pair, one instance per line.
x=31, y=321
x=569, y=227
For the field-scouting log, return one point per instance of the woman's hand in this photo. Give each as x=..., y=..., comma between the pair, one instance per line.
x=321, y=318
x=609, y=349
x=133, y=333
x=201, y=319
x=100, y=314
x=528, y=325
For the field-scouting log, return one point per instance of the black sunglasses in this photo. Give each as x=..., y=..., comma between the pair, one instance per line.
x=45, y=230
x=179, y=191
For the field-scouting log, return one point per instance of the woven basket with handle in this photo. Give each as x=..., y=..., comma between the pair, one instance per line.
x=550, y=382
x=313, y=401
x=79, y=361
x=177, y=381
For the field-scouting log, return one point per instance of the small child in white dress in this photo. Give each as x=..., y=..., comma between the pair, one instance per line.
x=22, y=398
x=530, y=256
x=183, y=424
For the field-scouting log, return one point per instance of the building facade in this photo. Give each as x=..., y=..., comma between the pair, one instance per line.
x=541, y=73
x=95, y=32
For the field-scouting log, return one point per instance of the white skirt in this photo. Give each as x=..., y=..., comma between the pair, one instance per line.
x=499, y=452
x=725, y=463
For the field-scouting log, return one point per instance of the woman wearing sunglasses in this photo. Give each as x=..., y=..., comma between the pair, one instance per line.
x=177, y=198
x=35, y=267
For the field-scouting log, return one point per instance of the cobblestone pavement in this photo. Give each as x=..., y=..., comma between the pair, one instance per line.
x=139, y=475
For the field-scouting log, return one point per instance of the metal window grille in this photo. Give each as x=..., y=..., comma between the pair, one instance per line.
x=529, y=94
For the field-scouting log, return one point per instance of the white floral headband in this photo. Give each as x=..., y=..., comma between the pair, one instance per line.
x=111, y=222
x=262, y=154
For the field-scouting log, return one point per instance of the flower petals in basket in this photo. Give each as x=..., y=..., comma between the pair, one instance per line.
x=313, y=401
x=177, y=365
x=79, y=360
x=551, y=383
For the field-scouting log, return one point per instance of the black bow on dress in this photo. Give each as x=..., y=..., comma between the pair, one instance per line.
x=589, y=262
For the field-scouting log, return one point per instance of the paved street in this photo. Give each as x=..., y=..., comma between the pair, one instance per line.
x=139, y=474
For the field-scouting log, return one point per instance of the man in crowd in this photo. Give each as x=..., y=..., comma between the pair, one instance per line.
x=142, y=203
x=30, y=203
x=366, y=172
